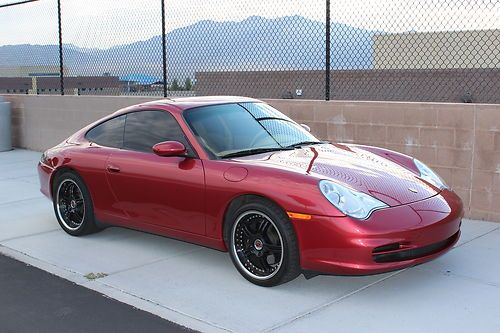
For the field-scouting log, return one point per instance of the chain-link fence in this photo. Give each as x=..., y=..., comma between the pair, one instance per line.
x=417, y=50
x=426, y=50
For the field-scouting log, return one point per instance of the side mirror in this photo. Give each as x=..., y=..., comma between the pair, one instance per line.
x=307, y=128
x=169, y=148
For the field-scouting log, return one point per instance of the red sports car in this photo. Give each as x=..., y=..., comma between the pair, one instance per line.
x=236, y=175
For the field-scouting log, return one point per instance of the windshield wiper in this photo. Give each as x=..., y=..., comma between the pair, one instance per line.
x=305, y=143
x=254, y=151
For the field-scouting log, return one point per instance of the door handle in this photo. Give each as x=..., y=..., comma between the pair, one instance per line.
x=113, y=168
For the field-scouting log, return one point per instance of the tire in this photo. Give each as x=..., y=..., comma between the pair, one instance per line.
x=73, y=205
x=262, y=243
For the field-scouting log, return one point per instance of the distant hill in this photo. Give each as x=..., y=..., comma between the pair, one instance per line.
x=256, y=43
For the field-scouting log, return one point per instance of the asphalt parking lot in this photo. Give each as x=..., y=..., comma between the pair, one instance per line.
x=199, y=288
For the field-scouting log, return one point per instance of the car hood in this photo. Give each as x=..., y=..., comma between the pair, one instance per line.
x=351, y=166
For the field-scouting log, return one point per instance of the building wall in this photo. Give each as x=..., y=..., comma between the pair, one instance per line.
x=433, y=50
x=437, y=85
x=26, y=71
x=460, y=141
x=262, y=84
x=83, y=85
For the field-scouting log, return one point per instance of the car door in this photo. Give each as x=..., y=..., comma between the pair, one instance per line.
x=163, y=191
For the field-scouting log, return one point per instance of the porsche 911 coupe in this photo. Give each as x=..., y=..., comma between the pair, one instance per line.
x=235, y=174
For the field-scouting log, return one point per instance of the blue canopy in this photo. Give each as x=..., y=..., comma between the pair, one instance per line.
x=139, y=78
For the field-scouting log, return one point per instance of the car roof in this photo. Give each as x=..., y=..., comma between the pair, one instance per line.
x=185, y=103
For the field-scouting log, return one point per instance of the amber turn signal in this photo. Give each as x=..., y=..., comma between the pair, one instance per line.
x=299, y=216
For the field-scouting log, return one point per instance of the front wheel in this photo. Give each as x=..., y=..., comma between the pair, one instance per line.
x=73, y=205
x=262, y=244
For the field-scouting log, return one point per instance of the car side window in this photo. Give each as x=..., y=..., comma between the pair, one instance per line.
x=144, y=129
x=108, y=133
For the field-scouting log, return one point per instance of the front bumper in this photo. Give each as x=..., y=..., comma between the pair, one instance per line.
x=392, y=238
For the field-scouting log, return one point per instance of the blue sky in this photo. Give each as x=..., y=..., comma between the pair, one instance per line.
x=102, y=24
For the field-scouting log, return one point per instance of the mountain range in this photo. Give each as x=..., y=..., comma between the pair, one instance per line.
x=256, y=43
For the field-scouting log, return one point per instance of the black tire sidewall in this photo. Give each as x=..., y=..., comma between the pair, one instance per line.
x=290, y=267
x=88, y=225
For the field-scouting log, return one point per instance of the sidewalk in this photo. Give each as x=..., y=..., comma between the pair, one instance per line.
x=199, y=288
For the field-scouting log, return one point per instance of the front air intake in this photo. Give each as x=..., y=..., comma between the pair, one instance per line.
x=410, y=254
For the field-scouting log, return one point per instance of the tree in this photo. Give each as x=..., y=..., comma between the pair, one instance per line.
x=175, y=85
x=188, y=84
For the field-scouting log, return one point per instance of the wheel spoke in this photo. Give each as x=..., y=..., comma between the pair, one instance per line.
x=79, y=214
x=246, y=252
x=67, y=192
x=67, y=215
x=264, y=265
x=263, y=226
x=273, y=248
x=71, y=217
x=245, y=230
x=74, y=192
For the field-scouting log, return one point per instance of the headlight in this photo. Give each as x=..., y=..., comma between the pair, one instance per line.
x=427, y=174
x=350, y=202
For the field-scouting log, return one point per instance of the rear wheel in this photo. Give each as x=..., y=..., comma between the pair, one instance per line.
x=73, y=205
x=262, y=244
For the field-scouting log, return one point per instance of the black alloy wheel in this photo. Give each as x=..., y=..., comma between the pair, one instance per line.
x=262, y=243
x=73, y=205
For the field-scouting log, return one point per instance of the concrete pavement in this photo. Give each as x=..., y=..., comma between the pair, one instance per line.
x=199, y=288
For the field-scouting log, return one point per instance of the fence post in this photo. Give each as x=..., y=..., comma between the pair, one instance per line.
x=61, y=66
x=327, y=52
x=164, y=48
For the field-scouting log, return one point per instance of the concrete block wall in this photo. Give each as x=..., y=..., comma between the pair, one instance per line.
x=460, y=141
x=42, y=121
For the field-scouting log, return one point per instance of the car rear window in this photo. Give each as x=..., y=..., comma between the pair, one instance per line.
x=108, y=133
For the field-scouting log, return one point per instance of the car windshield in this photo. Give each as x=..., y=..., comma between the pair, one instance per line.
x=230, y=130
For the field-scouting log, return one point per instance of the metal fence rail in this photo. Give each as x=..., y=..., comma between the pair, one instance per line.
x=425, y=50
